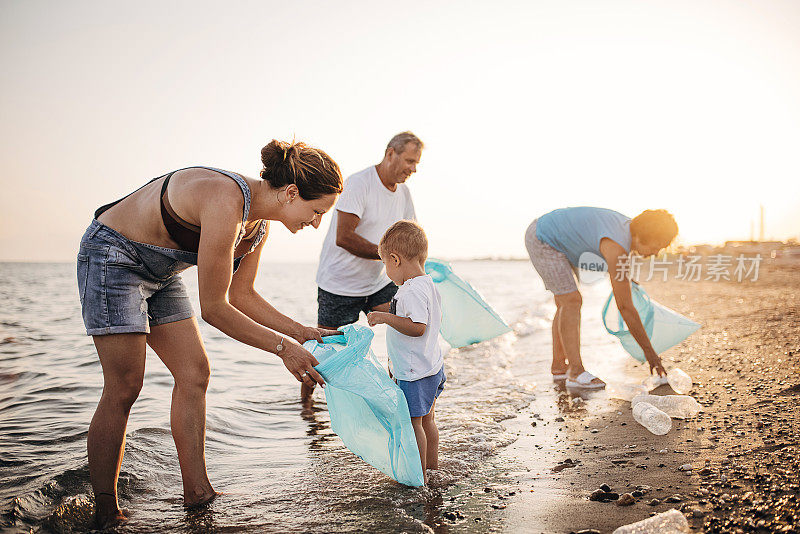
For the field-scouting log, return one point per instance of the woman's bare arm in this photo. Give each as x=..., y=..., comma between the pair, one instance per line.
x=220, y=221
x=616, y=257
x=244, y=297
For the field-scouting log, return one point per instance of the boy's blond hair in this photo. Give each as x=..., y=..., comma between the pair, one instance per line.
x=406, y=239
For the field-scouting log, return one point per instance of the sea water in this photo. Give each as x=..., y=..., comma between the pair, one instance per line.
x=280, y=466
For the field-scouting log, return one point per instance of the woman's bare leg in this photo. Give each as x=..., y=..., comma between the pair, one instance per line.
x=560, y=364
x=181, y=349
x=569, y=330
x=122, y=357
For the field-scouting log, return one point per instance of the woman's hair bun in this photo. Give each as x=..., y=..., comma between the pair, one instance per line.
x=313, y=172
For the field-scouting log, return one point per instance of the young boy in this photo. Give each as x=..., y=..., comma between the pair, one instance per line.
x=413, y=339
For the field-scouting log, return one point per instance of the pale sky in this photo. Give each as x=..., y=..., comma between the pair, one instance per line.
x=524, y=107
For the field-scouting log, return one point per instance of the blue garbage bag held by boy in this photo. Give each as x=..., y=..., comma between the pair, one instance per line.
x=368, y=410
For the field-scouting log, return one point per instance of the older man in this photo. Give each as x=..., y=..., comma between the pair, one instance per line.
x=350, y=276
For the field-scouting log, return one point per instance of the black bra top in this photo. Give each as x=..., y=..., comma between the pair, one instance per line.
x=185, y=234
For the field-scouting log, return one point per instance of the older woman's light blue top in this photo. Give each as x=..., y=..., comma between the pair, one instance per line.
x=574, y=231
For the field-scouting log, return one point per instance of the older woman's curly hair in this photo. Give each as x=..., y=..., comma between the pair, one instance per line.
x=657, y=227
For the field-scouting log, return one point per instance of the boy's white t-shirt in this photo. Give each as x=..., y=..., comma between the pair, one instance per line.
x=417, y=357
x=364, y=195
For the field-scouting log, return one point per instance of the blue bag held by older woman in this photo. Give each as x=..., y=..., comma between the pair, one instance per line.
x=466, y=318
x=665, y=328
x=367, y=409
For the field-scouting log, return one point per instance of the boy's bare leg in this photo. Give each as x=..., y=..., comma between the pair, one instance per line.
x=431, y=439
x=419, y=433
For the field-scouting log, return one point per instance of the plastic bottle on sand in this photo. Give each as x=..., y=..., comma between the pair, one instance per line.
x=678, y=406
x=652, y=418
x=625, y=392
x=679, y=381
x=653, y=381
x=671, y=522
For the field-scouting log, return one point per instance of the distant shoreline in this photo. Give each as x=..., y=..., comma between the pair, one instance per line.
x=268, y=261
x=786, y=249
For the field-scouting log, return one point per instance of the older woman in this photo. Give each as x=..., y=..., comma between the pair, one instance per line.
x=557, y=242
x=132, y=295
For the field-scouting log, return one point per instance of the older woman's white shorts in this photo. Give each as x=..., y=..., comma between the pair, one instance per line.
x=553, y=266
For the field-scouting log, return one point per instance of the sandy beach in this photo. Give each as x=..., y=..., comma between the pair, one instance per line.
x=743, y=448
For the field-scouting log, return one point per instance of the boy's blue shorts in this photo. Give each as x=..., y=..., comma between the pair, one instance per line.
x=421, y=393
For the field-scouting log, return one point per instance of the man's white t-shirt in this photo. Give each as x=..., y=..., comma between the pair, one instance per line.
x=364, y=195
x=417, y=357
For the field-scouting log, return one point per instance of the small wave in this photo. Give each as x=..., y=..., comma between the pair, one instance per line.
x=34, y=508
x=529, y=324
x=74, y=514
x=10, y=378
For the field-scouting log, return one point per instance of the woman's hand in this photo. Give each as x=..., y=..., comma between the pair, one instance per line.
x=301, y=364
x=309, y=332
x=655, y=363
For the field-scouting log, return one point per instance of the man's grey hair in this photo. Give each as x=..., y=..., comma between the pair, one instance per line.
x=399, y=142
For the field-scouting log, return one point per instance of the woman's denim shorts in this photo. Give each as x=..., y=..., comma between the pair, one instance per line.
x=127, y=287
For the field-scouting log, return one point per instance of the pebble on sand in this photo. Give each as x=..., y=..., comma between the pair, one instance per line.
x=626, y=499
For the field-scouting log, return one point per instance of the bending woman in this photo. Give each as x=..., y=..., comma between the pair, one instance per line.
x=131, y=295
x=556, y=243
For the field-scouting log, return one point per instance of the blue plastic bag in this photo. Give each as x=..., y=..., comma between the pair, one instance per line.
x=367, y=409
x=466, y=318
x=665, y=328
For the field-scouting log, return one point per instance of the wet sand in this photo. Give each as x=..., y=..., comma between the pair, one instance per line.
x=743, y=448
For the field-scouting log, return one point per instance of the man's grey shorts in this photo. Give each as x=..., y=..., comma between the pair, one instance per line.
x=125, y=288
x=338, y=310
x=556, y=271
